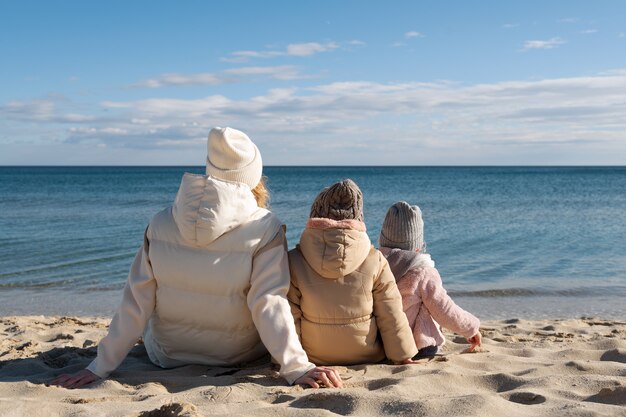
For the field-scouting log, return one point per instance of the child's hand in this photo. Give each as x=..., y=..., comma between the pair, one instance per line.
x=475, y=341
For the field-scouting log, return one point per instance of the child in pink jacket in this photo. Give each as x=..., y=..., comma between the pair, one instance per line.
x=424, y=300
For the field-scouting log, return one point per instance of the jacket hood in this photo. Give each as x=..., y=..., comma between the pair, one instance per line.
x=334, y=248
x=402, y=261
x=205, y=207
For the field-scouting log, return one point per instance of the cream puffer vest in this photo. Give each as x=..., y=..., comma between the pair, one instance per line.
x=201, y=316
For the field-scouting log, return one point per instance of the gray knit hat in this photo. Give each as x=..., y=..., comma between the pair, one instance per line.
x=403, y=227
x=340, y=201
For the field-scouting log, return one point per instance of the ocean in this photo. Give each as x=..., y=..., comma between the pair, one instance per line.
x=525, y=242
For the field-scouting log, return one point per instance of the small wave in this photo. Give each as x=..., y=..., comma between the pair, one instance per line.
x=36, y=285
x=70, y=264
x=544, y=292
x=75, y=285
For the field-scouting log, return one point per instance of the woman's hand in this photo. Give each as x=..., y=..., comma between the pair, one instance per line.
x=475, y=341
x=75, y=380
x=321, y=376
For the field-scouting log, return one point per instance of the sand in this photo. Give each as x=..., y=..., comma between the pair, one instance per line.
x=542, y=368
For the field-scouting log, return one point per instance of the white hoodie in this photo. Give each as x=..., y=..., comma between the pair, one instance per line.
x=208, y=286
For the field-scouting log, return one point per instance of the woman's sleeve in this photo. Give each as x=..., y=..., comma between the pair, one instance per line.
x=267, y=300
x=443, y=309
x=294, y=296
x=131, y=316
x=391, y=320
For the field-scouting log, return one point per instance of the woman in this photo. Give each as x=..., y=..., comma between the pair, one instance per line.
x=209, y=284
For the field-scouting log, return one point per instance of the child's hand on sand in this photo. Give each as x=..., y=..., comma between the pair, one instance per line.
x=321, y=375
x=475, y=341
x=75, y=380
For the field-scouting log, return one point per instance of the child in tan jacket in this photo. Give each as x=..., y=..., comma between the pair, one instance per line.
x=343, y=295
x=427, y=305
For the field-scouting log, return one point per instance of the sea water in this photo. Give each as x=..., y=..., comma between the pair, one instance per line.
x=527, y=242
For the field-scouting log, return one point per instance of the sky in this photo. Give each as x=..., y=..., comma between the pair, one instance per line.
x=314, y=83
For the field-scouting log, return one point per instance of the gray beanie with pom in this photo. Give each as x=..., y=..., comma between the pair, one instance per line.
x=340, y=201
x=403, y=227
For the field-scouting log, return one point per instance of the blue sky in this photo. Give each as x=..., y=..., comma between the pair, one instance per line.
x=315, y=83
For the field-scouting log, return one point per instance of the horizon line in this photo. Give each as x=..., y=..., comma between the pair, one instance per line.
x=327, y=166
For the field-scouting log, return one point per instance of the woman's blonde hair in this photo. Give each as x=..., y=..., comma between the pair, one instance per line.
x=261, y=194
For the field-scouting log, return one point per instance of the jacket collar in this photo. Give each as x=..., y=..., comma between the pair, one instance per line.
x=402, y=261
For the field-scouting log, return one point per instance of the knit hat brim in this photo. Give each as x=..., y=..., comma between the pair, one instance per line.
x=239, y=157
x=403, y=228
x=249, y=174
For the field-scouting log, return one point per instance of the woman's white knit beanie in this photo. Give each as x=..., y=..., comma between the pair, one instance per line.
x=232, y=156
x=403, y=227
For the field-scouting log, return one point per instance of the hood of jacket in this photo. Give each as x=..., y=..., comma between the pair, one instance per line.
x=206, y=208
x=402, y=261
x=334, y=248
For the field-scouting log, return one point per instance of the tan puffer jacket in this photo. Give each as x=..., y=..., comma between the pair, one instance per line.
x=344, y=297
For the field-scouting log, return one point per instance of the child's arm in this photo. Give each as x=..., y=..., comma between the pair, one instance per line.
x=392, y=322
x=444, y=310
x=127, y=325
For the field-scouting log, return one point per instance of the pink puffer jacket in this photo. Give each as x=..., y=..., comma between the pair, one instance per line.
x=426, y=303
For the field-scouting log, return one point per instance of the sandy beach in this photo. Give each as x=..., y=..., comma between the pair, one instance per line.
x=573, y=367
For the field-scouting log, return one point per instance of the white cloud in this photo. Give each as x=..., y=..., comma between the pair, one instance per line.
x=233, y=75
x=547, y=44
x=357, y=42
x=51, y=109
x=306, y=49
x=284, y=72
x=589, y=31
x=620, y=35
x=413, y=34
x=294, y=49
x=181, y=80
x=569, y=20
x=510, y=25
x=73, y=117
x=243, y=56
x=445, y=121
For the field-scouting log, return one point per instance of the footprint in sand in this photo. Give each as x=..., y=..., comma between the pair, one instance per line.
x=61, y=336
x=173, y=410
x=334, y=402
x=283, y=398
x=381, y=383
x=403, y=409
x=614, y=355
x=526, y=398
x=577, y=365
x=82, y=400
x=216, y=394
x=614, y=396
x=501, y=382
